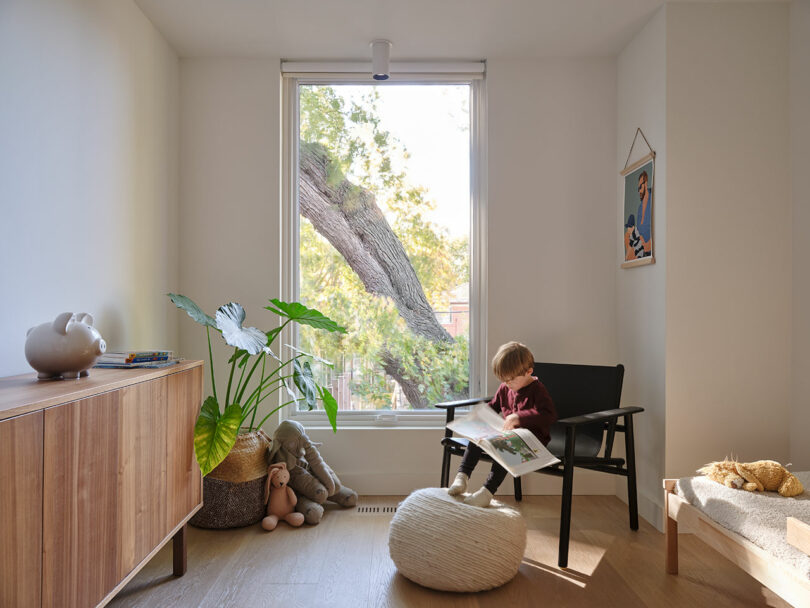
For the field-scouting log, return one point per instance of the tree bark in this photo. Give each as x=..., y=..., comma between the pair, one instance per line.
x=349, y=218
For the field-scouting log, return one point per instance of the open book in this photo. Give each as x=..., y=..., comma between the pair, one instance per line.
x=518, y=451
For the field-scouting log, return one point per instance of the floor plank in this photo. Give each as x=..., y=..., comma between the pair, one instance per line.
x=344, y=562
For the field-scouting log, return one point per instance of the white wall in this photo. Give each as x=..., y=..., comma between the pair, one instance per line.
x=88, y=172
x=552, y=138
x=229, y=176
x=229, y=185
x=641, y=291
x=800, y=163
x=728, y=351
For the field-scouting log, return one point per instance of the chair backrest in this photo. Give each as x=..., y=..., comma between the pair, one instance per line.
x=581, y=389
x=577, y=390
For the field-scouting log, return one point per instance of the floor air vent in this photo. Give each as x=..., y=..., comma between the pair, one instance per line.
x=376, y=510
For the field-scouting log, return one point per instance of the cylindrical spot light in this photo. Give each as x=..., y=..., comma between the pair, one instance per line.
x=380, y=59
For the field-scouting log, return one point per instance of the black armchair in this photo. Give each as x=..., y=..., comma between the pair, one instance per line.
x=587, y=399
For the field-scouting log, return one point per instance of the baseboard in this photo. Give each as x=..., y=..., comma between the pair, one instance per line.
x=402, y=484
x=651, y=510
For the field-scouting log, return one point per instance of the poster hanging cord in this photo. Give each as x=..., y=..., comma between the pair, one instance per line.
x=635, y=137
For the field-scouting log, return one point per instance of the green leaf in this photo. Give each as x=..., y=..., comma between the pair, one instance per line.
x=229, y=321
x=302, y=376
x=330, y=406
x=241, y=355
x=299, y=313
x=194, y=311
x=215, y=434
x=210, y=409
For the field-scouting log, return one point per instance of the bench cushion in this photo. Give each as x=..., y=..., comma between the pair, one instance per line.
x=760, y=517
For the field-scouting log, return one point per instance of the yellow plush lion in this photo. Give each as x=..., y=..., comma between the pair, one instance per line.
x=762, y=475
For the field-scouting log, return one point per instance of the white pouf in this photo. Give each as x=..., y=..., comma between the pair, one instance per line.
x=439, y=542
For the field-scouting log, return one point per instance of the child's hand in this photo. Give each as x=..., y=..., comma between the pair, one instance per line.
x=512, y=421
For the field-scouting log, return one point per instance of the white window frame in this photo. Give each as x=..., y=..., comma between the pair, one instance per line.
x=296, y=74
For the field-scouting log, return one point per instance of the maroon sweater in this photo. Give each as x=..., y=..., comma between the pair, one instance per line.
x=533, y=406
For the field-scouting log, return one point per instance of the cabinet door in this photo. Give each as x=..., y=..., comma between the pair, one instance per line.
x=119, y=476
x=80, y=519
x=21, y=510
x=142, y=519
x=184, y=479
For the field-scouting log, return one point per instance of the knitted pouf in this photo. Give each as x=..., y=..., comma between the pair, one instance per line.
x=439, y=542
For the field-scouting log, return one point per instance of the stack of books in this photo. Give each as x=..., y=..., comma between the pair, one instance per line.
x=136, y=358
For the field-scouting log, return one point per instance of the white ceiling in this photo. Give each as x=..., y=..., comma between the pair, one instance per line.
x=419, y=29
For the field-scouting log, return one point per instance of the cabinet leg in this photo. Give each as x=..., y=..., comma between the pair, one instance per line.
x=179, y=552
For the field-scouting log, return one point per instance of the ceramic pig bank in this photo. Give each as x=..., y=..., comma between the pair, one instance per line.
x=68, y=347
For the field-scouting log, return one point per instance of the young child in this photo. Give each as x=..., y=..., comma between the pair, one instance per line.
x=523, y=402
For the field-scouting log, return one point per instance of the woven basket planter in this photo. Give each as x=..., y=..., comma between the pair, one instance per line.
x=233, y=493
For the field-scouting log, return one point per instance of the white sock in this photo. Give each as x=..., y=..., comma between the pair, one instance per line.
x=481, y=498
x=459, y=485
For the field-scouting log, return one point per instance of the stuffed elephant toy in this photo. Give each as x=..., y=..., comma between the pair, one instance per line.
x=312, y=479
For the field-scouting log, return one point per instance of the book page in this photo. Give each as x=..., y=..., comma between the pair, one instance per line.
x=480, y=422
x=517, y=450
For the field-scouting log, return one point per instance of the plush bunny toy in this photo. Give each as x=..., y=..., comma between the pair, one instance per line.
x=280, y=498
x=312, y=479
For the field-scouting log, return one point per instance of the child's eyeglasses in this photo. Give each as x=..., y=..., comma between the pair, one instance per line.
x=523, y=373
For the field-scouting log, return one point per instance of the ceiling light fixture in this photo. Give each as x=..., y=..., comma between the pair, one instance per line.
x=380, y=59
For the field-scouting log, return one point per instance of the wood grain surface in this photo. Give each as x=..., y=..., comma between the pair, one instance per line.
x=21, y=510
x=184, y=478
x=23, y=394
x=344, y=561
x=81, y=523
x=798, y=534
x=119, y=478
x=142, y=471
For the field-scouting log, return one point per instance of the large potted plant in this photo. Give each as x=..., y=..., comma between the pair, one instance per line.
x=229, y=442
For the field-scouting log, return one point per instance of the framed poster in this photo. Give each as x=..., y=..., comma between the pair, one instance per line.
x=637, y=227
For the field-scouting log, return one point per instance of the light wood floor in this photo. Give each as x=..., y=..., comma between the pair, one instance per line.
x=344, y=561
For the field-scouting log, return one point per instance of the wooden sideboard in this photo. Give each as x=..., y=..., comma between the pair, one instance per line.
x=96, y=475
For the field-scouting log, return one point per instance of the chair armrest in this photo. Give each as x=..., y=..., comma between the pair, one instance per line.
x=600, y=416
x=453, y=404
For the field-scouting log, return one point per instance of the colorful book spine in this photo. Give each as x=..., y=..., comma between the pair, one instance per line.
x=149, y=364
x=135, y=357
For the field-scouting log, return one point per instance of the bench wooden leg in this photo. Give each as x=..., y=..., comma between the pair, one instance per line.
x=179, y=552
x=672, y=530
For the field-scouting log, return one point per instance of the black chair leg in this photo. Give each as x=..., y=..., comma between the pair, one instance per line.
x=518, y=490
x=632, y=491
x=567, y=496
x=445, y=469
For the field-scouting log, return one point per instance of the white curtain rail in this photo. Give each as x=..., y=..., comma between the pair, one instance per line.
x=474, y=69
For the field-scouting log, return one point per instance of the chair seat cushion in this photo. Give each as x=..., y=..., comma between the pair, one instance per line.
x=439, y=542
x=586, y=446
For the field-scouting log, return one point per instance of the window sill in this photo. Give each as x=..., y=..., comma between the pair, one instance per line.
x=357, y=421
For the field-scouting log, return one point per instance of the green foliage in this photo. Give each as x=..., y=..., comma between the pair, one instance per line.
x=364, y=153
x=192, y=309
x=330, y=405
x=302, y=315
x=215, y=431
x=302, y=376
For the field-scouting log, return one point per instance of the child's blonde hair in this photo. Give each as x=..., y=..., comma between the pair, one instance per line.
x=512, y=359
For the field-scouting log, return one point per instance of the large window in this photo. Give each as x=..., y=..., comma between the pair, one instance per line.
x=382, y=238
